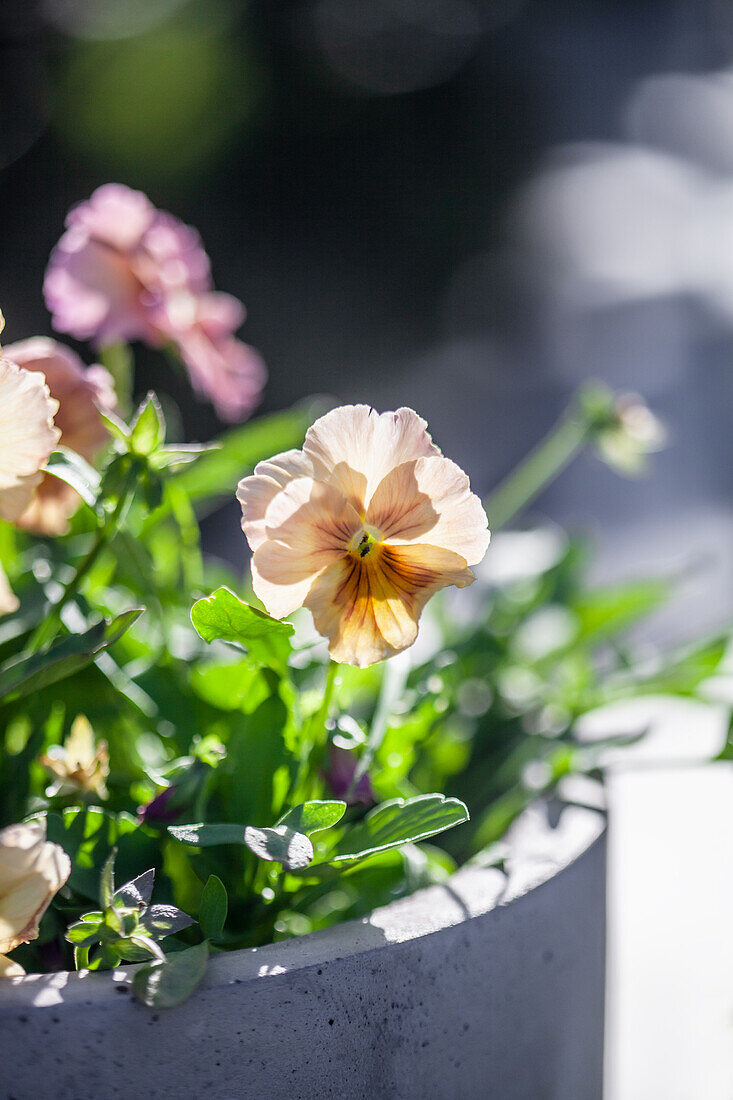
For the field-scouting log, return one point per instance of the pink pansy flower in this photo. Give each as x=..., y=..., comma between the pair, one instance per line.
x=230, y=373
x=126, y=271
x=362, y=527
x=80, y=392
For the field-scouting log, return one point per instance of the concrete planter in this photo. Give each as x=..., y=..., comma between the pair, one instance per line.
x=489, y=986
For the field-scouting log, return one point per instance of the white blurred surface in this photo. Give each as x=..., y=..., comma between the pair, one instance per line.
x=670, y=969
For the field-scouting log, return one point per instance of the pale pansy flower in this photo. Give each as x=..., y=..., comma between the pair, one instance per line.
x=361, y=527
x=27, y=437
x=80, y=765
x=81, y=392
x=32, y=871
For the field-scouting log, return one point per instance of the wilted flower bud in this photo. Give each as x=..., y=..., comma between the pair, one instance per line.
x=184, y=777
x=32, y=870
x=340, y=773
x=78, y=766
x=161, y=810
x=624, y=429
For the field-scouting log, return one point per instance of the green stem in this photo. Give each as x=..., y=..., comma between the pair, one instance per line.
x=393, y=683
x=190, y=553
x=320, y=719
x=117, y=359
x=47, y=630
x=315, y=741
x=539, y=469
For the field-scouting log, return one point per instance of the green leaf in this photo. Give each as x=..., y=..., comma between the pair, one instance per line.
x=81, y=957
x=164, y=984
x=118, y=360
x=119, y=472
x=71, y=468
x=138, y=948
x=136, y=893
x=181, y=454
x=311, y=817
x=607, y=611
x=230, y=686
x=217, y=473
x=280, y=845
x=116, y=427
x=104, y=957
x=107, y=880
x=148, y=428
x=83, y=933
x=250, y=781
x=88, y=834
x=163, y=920
x=679, y=673
x=205, y=836
x=224, y=617
x=214, y=907
x=399, y=821
x=27, y=675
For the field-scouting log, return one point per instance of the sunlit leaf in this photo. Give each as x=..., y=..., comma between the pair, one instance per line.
x=147, y=432
x=280, y=845
x=311, y=817
x=224, y=617
x=107, y=880
x=24, y=675
x=218, y=473
x=163, y=920
x=71, y=468
x=213, y=908
x=164, y=984
x=137, y=892
x=399, y=821
x=205, y=836
x=607, y=611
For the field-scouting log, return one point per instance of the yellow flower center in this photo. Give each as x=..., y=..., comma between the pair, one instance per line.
x=364, y=541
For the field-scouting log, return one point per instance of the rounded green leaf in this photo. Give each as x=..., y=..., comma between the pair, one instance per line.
x=164, y=984
x=394, y=823
x=280, y=845
x=205, y=836
x=224, y=617
x=311, y=817
x=214, y=907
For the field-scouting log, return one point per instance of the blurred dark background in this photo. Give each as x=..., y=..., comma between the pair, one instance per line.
x=468, y=206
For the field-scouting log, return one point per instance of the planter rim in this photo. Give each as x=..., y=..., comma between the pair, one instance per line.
x=545, y=840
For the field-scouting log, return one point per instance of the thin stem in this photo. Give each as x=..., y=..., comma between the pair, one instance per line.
x=539, y=469
x=315, y=742
x=319, y=722
x=394, y=678
x=190, y=555
x=117, y=359
x=46, y=630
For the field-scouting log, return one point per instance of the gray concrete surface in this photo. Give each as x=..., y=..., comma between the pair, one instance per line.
x=489, y=987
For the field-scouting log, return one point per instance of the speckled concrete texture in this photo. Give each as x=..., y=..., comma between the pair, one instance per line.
x=489, y=987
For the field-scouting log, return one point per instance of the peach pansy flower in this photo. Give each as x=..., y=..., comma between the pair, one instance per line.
x=362, y=527
x=81, y=392
x=27, y=437
x=32, y=870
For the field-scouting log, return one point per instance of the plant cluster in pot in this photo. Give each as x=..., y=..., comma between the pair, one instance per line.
x=327, y=828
